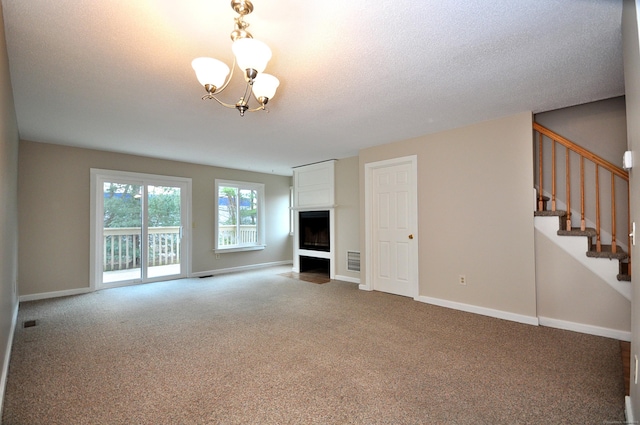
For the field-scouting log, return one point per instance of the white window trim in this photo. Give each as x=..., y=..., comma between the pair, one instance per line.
x=261, y=215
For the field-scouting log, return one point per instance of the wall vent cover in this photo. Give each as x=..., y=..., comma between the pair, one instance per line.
x=353, y=261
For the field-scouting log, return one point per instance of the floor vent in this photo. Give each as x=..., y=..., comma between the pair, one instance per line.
x=29, y=323
x=353, y=261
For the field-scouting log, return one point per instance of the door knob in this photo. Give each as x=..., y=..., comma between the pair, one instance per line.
x=410, y=236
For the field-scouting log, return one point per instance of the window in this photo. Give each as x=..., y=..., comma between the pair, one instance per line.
x=240, y=216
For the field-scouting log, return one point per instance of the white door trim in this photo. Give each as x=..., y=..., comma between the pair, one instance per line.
x=369, y=168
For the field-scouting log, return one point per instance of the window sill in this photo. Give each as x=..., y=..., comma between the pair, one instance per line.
x=239, y=249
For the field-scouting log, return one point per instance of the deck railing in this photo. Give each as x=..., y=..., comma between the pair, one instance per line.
x=601, y=170
x=121, y=247
x=237, y=235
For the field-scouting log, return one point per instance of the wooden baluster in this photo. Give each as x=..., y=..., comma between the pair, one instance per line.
x=104, y=254
x=598, y=242
x=568, y=185
x=540, y=196
x=613, y=214
x=119, y=252
x=553, y=175
x=112, y=244
x=583, y=224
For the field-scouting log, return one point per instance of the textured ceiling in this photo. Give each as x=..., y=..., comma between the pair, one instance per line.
x=116, y=74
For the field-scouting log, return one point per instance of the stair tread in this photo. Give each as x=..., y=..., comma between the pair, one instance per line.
x=576, y=231
x=605, y=252
x=556, y=213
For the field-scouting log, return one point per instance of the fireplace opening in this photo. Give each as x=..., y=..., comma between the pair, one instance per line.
x=314, y=265
x=314, y=230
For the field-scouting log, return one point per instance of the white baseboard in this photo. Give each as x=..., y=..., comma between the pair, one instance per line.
x=55, y=294
x=241, y=268
x=348, y=279
x=7, y=356
x=498, y=314
x=628, y=410
x=585, y=329
x=78, y=291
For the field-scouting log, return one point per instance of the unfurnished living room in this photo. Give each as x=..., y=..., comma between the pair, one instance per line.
x=253, y=212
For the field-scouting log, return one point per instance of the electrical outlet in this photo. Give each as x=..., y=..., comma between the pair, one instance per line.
x=463, y=279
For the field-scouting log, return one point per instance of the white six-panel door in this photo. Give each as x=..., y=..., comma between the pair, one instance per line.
x=392, y=227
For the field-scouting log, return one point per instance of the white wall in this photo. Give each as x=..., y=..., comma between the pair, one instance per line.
x=475, y=214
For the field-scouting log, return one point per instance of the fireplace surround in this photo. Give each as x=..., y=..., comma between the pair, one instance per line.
x=314, y=218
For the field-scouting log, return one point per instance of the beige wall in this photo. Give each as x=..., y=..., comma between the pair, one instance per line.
x=568, y=291
x=8, y=210
x=475, y=213
x=54, y=201
x=347, y=214
x=631, y=51
x=601, y=128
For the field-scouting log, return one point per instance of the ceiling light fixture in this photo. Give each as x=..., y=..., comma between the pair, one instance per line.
x=251, y=57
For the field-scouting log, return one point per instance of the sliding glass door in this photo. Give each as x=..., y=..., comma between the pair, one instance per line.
x=139, y=224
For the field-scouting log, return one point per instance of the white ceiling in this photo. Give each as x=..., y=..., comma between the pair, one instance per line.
x=116, y=74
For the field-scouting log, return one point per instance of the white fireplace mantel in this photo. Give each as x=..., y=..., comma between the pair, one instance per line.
x=314, y=189
x=314, y=185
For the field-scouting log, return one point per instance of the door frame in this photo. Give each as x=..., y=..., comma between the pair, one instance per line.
x=96, y=212
x=369, y=168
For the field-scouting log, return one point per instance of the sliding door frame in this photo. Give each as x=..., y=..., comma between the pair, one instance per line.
x=98, y=177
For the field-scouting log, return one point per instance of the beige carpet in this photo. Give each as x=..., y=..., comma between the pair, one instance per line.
x=260, y=348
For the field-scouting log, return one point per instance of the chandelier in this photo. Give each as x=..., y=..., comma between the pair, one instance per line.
x=250, y=57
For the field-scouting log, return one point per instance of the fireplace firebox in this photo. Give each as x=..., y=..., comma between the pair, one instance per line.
x=314, y=230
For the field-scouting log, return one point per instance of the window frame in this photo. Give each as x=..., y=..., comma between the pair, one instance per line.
x=260, y=220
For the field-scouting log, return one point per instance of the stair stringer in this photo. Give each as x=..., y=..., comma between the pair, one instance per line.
x=577, y=247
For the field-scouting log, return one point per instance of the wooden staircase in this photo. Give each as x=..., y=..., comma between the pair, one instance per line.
x=571, y=153
x=606, y=251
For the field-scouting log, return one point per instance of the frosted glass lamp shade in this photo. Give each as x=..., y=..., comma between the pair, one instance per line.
x=210, y=71
x=251, y=53
x=265, y=85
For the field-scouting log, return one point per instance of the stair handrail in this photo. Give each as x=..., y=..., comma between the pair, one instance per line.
x=582, y=151
x=599, y=162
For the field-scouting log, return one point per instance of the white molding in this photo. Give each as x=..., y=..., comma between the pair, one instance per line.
x=585, y=329
x=7, y=356
x=498, y=314
x=80, y=291
x=348, y=279
x=628, y=410
x=55, y=294
x=240, y=268
x=314, y=185
x=577, y=246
